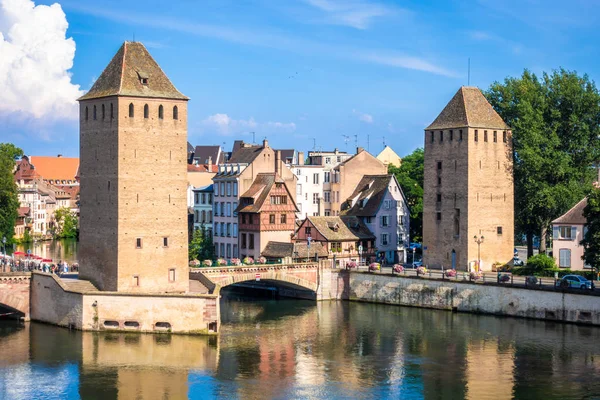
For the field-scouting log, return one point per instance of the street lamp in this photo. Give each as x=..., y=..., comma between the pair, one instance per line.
x=4, y=248
x=478, y=240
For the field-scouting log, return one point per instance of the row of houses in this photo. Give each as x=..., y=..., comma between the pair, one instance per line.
x=44, y=185
x=267, y=202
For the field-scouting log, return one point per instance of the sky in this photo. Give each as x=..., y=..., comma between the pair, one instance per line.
x=305, y=74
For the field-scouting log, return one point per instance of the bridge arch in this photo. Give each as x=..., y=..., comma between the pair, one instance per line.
x=14, y=293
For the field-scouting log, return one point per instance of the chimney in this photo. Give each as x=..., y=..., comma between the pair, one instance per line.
x=300, y=158
x=277, y=162
x=265, y=144
x=359, y=150
x=59, y=156
x=209, y=163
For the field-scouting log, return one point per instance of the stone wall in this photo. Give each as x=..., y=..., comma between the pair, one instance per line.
x=14, y=292
x=53, y=303
x=465, y=297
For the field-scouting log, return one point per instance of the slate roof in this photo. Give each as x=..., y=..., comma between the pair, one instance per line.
x=124, y=73
x=468, y=108
x=282, y=249
x=259, y=190
x=574, y=215
x=287, y=155
x=367, y=196
x=349, y=228
x=244, y=155
x=202, y=153
x=190, y=148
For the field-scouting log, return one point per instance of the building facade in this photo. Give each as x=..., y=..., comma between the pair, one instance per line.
x=266, y=213
x=133, y=149
x=389, y=157
x=468, y=206
x=203, y=209
x=379, y=202
x=567, y=233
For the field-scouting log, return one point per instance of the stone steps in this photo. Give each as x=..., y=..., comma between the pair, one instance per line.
x=79, y=286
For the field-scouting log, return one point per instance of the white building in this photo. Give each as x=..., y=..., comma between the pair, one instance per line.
x=203, y=212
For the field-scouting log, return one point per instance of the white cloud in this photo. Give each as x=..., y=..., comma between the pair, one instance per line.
x=368, y=118
x=35, y=58
x=402, y=61
x=224, y=125
x=356, y=14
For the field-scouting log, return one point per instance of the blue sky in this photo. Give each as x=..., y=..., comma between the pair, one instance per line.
x=298, y=70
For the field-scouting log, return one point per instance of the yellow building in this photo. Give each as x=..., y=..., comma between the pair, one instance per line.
x=468, y=185
x=389, y=157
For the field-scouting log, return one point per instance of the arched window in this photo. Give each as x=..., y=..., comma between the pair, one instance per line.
x=175, y=112
x=103, y=112
x=160, y=112
x=94, y=113
x=130, y=110
x=146, y=110
x=86, y=113
x=111, y=111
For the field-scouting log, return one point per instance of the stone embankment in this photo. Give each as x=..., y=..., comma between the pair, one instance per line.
x=464, y=296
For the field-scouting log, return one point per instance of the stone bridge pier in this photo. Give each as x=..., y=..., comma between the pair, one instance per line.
x=14, y=294
x=316, y=277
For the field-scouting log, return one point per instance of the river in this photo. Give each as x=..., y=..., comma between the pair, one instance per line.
x=281, y=349
x=57, y=250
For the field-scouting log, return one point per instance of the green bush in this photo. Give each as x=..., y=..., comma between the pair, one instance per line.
x=540, y=264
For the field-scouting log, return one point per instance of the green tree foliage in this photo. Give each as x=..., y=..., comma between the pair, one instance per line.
x=555, y=122
x=591, y=239
x=9, y=201
x=540, y=264
x=410, y=177
x=201, y=246
x=65, y=223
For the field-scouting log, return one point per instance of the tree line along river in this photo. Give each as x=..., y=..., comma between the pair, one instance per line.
x=280, y=349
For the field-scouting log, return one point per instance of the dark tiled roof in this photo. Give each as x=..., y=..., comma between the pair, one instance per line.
x=367, y=197
x=287, y=155
x=259, y=191
x=123, y=75
x=23, y=211
x=574, y=215
x=282, y=249
x=349, y=228
x=202, y=153
x=468, y=108
x=245, y=155
x=237, y=145
x=190, y=148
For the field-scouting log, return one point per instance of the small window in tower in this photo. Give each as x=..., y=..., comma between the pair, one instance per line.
x=111, y=111
x=441, y=136
x=451, y=135
x=504, y=136
x=136, y=280
x=476, y=135
x=160, y=112
x=130, y=110
x=495, y=136
x=485, y=136
x=499, y=230
x=86, y=113
x=165, y=242
x=439, y=165
x=138, y=243
x=431, y=134
x=439, y=180
x=175, y=112
x=460, y=135
x=103, y=112
x=94, y=113
x=172, y=275
x=438, y=216
x=146, y=111
x=439, y=197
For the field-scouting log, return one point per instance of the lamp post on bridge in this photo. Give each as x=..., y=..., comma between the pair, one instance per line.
x=308, y=240
x=478, y=240
x=4, y=249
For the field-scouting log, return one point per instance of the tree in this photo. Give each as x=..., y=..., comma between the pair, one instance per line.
x=65, y=223
x=201, y=246
x=9, y=200
x=556, y=133
x=410, y=178
x=591, y=238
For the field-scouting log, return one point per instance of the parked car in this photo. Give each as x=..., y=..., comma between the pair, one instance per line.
x=575, y=281
x=517, y=262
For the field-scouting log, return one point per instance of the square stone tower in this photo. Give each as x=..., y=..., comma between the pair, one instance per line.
x=133, y=150
x=468, y=185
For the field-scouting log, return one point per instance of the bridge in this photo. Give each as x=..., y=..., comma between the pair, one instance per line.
x=308, y=276
x=14, y=294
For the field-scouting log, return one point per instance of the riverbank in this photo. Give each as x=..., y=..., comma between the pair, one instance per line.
x=464, y=296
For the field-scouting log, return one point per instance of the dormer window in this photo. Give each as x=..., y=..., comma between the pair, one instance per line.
x=144, y=81
x=143, y=77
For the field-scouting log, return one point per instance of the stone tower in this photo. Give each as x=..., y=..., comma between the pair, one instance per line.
x=133, y=143
x=468, y=185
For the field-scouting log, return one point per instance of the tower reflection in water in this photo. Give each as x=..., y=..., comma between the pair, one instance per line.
x=271, y=349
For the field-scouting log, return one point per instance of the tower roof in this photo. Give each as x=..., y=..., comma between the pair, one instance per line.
x=133, y=72
x=468, y=108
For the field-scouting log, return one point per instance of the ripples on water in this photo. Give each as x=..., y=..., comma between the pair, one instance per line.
x=295, y=349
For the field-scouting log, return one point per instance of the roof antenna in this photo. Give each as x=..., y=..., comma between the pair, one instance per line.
x=469, y=73
x=346, y=140
x=133, y=37
x=253, y=138
x=314, y=144
x=384, y=142
x=355, y=140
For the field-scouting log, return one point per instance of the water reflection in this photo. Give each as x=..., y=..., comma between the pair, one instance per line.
x=295, y=349
x=57, y=250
